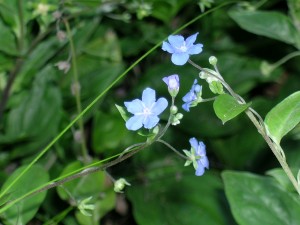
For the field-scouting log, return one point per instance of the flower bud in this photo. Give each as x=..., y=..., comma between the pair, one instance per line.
x=173, y=84
x=120, y=185
x=173, y=109
x=213, y=60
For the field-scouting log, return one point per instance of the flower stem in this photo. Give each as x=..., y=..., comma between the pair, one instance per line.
x=82, y=173
x=172, y=148
x=84, y=150
x=259, y=124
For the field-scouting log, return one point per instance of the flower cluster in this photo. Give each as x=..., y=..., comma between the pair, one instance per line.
x=145, y=112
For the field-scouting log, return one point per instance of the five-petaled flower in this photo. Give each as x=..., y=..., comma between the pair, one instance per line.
x=200, y=155
x=181, y=49
x=192, y=97
x=145, y=112
x=173, y=84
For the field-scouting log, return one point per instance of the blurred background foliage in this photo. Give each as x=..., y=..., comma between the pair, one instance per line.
x=38, y=100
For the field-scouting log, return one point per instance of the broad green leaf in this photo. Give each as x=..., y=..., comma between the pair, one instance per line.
x=260, y=200
x=294, y=9
x=283, y=117
x=7, y=40
x=226, y=107
x=174, y=195
x=270, y=24
x=282, y=178
x=24, y=211
x=39, y=113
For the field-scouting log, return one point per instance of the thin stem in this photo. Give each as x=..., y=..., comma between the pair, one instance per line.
x=168, y=123
x=72, y=177
x=208, y=99
x=275, y=151
x=220, y=78
x=84, y=150
x=172, y=148
x=285, y=59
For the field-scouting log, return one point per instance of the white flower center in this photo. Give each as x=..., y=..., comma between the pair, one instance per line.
x=183, y=48
x=147, y=111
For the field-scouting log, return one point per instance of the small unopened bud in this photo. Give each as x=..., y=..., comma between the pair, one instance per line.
x=57, y=15
x=63, y=66
x=120, y=185
x=61, y=35
x=173, y=109
x=179, y=116
x=75, y=88
x=213, y=60
x=77, y=136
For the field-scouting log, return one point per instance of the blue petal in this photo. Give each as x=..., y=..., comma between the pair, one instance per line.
x=148, y=97
x=186, y=106
x=201, y=149
x=179, y=59
x=199, y=170
x=195, y=49
x=189, y=97
x=191, y=39
x=134, y=123
x=194, y=143
x=135, y=106
x=167, y=47
x=204, y=162
x=176, y=40
x=159, y=106
x=150, y=121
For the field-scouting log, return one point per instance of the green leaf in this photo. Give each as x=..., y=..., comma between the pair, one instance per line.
x=123, y=112
x=282, y=178
x=166, y=199
x=283, y=117
x=294, y=9
x=24, y=211
x=260, y=200
x=269, y=24
x=216, y=87
x=7, y=40
x=226, y=107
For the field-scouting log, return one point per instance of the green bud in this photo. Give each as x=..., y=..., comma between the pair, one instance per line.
x=173, y=109
x=179, y=116
x=266, y=68
x=213, y=60
x=120, y=185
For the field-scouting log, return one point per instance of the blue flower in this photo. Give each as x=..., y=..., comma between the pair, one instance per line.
x=181, y=49
x=173, y=84
x=192, y=96
x=200, y=154
x=145, y=112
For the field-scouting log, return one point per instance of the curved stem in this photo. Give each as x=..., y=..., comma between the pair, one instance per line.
x=285, y=59
x=220, y=78
x=173, y=149
x=275, y=151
